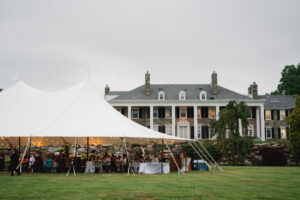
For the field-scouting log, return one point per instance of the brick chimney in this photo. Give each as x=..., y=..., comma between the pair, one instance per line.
x=107, y=90
x=252, y=90
x=147, y=84
x=214, y=83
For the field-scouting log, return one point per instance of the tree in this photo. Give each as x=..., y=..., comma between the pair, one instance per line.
x=294, y=130
x=226, y=128
x=289, y=82
x=1, y=90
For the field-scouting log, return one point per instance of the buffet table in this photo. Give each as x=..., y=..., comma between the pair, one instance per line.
x=153, y=168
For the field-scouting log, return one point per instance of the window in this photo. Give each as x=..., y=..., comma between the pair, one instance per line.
x=268, y=114
x=161, y=95
x=205, y=132
x=155, y=113
x=250, y=130
x=182, y=95
x=282, y=114
x=198, y=113
x=183, y=113
x=168, y=114
x=161, y=112
x=212, y=113
x=199, y=132
x=190, y=112
x=204, y=112
x=162, y=129
x=283, y=133
x=135, y=113
x=268, y=133
x=202, y=95
x=249, y=110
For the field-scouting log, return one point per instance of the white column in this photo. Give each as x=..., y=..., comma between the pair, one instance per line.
x=240, y=127
x=217, y=112
x=173, y=120
x=151, y=117
x=258, y=133
x=262, y=122
x=195, y=123
x=129, y=112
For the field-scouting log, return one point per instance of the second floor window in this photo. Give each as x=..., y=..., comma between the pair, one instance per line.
x=183, y=113
x=161, y=95
x=182, y=95
x=282, y=114
x=268, y=114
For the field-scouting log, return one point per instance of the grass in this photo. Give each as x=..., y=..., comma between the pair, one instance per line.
x=233, y=183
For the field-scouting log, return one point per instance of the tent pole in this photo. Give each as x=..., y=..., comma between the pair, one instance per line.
x=162, y=151
x=211, y=163
x=199, y=154
x=74, y=159
x=87, y=148
x=211, y=158
x=179, y=170
x=76, y=151
x=185, y=160
x=29, y=147
x=20, y=164
x=122, y=144
x=19, y=146
x=196, y=151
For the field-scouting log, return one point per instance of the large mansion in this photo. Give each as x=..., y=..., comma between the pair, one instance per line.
x=185, y=110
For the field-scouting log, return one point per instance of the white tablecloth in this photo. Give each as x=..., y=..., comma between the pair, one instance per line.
x=90, y=167
x=153, y=168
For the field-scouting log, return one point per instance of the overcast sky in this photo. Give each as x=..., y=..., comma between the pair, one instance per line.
x=52, y=44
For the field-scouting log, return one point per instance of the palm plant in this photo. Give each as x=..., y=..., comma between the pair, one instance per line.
x=226, y=128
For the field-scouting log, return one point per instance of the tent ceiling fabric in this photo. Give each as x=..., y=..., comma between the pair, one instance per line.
x=79, y=111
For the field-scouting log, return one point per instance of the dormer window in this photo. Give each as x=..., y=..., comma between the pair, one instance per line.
x=203, y=95
x=182, y=95
x=161, y=95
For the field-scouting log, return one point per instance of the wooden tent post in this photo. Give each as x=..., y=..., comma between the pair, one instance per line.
x=19, y=146
x=161, y=155
x=87, y=148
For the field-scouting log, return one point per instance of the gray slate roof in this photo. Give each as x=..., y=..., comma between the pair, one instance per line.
x=279, y=101
x=172, y=92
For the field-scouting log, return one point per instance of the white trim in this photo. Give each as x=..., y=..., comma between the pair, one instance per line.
x=159, y=95
x=268, y=128
x=201, y=97
x=182, y=94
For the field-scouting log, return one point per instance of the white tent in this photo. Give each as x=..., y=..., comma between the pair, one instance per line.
x=54, y=118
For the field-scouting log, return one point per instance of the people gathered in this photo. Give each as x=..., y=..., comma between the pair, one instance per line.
x=62, y=162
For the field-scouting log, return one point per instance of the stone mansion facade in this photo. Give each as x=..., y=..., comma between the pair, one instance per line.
x=185, y=110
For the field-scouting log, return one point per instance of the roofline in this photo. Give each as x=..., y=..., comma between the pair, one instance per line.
x=250, y=102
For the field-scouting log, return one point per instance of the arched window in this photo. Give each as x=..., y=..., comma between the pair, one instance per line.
x=182, y=95
x=161, y=95
x=203, y=95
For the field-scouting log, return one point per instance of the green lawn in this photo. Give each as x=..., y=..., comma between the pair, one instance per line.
x=233, y=183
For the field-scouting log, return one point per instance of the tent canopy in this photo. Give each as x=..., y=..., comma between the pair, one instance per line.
x=51, y=118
